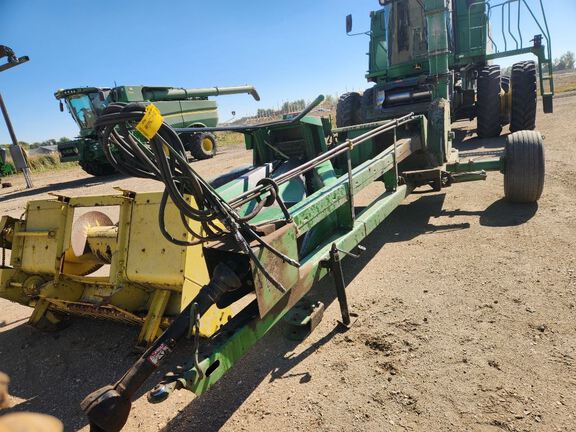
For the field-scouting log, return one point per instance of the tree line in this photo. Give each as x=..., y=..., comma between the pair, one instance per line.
x=49, y=142
x=292, y=106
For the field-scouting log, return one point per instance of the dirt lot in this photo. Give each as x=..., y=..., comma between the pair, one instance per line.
x=466, y=321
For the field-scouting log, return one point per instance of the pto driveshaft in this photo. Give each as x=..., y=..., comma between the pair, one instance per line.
x=108, y=408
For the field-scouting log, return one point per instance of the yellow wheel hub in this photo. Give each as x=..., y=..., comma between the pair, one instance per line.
x=207, y=145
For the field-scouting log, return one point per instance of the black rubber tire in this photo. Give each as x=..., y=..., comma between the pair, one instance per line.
x=348, y=110
x=505, y=86
x=505, y=83
x=524, y=167
x=198, y=148
x=98, y=169
x=523, y=81
x=488, y=102
x=367, y=104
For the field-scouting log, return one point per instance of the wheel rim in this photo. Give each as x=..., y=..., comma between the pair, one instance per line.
x=207, y=145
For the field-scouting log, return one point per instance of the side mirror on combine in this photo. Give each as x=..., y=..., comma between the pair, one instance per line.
x=61, y=106
x=348, y=24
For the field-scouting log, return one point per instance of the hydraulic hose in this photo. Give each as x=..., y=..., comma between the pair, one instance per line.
x=163, y=158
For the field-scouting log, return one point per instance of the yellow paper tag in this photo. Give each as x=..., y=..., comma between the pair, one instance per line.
x=151, y=122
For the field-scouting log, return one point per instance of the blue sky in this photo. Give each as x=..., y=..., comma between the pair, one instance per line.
x=288, y=49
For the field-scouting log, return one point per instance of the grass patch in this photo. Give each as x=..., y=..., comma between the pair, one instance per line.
x=229, y=138
x=46, y=162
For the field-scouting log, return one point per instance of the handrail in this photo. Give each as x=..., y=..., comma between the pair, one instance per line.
x=505, y=8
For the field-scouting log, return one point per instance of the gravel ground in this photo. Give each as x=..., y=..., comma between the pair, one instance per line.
x=466, y=321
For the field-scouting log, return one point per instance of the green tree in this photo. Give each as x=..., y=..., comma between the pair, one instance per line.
x=565, y=62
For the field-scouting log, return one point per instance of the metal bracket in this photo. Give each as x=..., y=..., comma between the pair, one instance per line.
x=61, y=198
x=127, y=194
x=303, y=318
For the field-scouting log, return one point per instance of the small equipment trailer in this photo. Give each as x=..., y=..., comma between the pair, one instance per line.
x=229, y=258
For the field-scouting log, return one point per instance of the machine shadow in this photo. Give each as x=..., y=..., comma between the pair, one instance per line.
x=52, y=372
x=56, y=186
x=466, y=139
x=272, y=357
x=501, y=213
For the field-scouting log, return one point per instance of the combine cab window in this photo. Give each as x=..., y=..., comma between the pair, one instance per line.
x=81, y=109
x=98, y=101
x=406, y=32
x=85, y=108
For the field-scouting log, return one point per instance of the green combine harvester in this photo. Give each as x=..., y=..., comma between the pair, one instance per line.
x=180, y=108
x=412, y=63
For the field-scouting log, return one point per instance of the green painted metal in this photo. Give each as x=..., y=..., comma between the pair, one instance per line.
x=227, y=355
x=491, y=164
x=422, y=50
x=320, y=220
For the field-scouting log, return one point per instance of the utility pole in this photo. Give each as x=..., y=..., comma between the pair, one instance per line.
x=18, y=157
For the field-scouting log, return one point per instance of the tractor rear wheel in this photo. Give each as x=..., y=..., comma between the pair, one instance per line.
x=524, y=167
x=523, y=82
x=202, y=145
x=367, y=105
x=348, y=109
x=97, y=169
x=488, y=102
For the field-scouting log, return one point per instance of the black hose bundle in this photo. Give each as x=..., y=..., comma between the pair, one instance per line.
x=163, y=158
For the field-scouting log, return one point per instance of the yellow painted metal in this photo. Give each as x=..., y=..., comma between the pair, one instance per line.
x=148, y=280
x=151, y=327
x=41, y=253
x=154, y=260
x=207, y=145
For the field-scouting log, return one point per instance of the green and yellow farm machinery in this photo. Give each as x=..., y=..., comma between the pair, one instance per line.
x=424, y=50
x=223, y=261
x=180, y=108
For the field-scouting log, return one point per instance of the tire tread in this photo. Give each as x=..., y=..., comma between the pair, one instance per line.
x=524, y=167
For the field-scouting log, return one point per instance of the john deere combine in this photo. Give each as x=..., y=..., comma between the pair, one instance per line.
x=180, y=108
x=231, y=257
x=422, y=50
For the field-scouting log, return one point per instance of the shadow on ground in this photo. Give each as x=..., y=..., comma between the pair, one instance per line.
x=54, y=372
x=53, y=187
x=499, y=214
x=465, y=139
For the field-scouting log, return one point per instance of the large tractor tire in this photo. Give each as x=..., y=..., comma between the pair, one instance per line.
x=203, y=145
x=523, y=82
x=505, y=98
x=524, y=167
x=348, y=109
x=488, y=102
x=97, y=169
x=367, y=105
